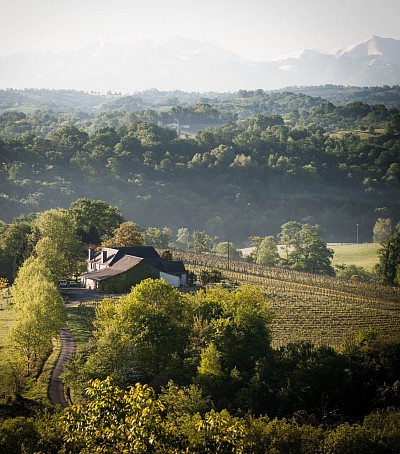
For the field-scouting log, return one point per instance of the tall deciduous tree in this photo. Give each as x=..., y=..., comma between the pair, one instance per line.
x=58, y=247
x=128, y=234
x=40, y=310
x=183, y=237
x=389, y=263
x=267, y=252
x=15, y=247
x=227, y=249
x=237, y=324
x=289, y=236
x=201, y=242
x=95, y=219
x=158, y=237
x=383, y=230
x=304, y=248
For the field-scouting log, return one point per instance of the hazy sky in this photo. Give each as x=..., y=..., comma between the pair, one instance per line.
x=254, y=29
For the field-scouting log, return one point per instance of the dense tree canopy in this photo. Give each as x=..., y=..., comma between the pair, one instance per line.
x=266, y=157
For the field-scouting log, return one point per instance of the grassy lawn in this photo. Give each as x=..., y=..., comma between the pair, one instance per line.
x=7, y=320
x=34, y=389
x=365, y=254
x=78, y=324
x=38, y=389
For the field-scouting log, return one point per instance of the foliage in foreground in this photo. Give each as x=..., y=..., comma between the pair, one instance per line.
x=137, y=421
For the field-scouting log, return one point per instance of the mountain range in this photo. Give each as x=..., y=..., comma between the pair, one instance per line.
x=194, y=65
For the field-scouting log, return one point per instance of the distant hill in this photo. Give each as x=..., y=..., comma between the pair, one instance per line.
x=244, y=102
x=193, y=65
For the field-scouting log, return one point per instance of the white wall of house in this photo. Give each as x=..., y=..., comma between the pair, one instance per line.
x=175, y=281
x=90, y=284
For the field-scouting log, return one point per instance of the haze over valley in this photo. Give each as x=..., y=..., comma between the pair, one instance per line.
x=197, y=65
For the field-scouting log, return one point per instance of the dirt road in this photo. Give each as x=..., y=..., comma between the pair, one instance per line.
x=56, y=391
x=56, y=386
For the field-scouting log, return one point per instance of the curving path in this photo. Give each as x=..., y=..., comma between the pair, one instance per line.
x=56, y=386
x=56, y=390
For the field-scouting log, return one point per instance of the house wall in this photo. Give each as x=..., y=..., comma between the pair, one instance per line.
x=125, y=281
x=184, y=281
x=175, y=281
x=90, y=284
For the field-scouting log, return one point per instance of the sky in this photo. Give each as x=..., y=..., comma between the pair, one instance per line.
x=259, y=30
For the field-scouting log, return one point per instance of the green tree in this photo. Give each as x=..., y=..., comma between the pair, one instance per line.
x=210, y=362
x=389, y=261
x=158, y=237
x=18, y=435
x=67, y=141
x=40, y=310
x=237, y=325
x=223, y=155
x=289, y=236
x=182, y=401
x=315, y=257
x=115, y=420
x=59, y=247
x=304, y=248
x=227, y=249
x=128, y=234
x=383, y=230
x=353, y=272
x=200, y=242
x=255, y=241
x=15, y=247
x=141, y=337
x=267, y=252
x=183, y=237
x=95, y=219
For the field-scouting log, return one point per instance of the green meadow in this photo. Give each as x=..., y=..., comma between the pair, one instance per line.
x=364, y=254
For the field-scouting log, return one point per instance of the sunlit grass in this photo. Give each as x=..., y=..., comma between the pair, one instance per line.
x=78, y=326
x=38, y=389
x=7, y=320
x=365, y=254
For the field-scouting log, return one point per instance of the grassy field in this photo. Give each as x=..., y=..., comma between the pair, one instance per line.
x=7, y=320
x=365, y=254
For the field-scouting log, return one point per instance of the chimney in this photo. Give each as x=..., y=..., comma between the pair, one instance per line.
x=103, y=256
x=91, y=253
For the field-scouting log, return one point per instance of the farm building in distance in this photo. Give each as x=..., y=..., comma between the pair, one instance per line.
x=116, y=270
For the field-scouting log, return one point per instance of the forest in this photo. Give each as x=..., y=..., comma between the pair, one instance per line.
x=234, y=165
